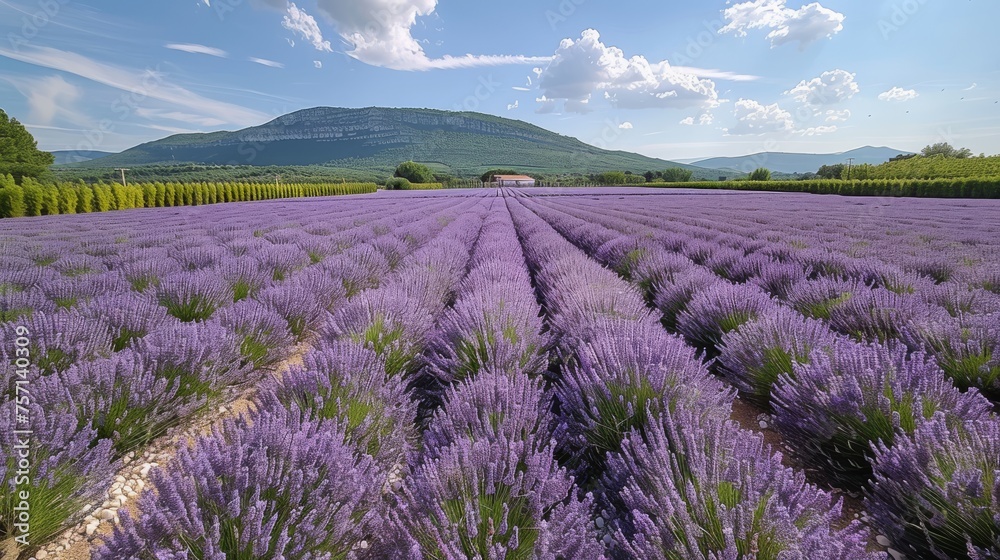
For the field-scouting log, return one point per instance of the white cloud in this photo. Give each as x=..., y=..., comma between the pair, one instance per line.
x=626, y=126
x=318, y=63
x=805, y=25
x=513, y=106
x=179, y=116
x=586, y=66
x=755, y=118
x=519, y=88
x=898, y=94
x=817, y=130
x=297, y=20
x=829, y=88
x=704, y=119
x=265, y=62
x=972, y=87
x=197, y=49
x=138, y=84
x=833, y=115
x=378, y=32
x=49, y=98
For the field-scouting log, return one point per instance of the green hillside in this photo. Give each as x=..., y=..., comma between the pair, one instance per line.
x=374, y=140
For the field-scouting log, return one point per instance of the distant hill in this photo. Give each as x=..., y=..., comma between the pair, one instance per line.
x=783, y=162
x=77, y=156
x=377, y=139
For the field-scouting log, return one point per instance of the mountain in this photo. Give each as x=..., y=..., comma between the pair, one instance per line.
x=77, y=156
x=377, y=139
x=784, y=162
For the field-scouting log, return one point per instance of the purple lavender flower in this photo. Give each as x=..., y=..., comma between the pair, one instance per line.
x=755, y=355
x=201, y=359
x=818, y=298
x=267, y=486
x=297, y=305
x=625, y=253
x=719, y=309
x=388, y=322
x=878, y=315
x=938, y=490
x=834, y=408
x=61, y=339
x=281, y=260
x=672, y=295
x=492, y=499
x=494, y=327
x=266, y=339
x=628, y=373
x=780, y=279
x=966, y=348
x=128, y=315
x=68, y=469
x=696, y=488
x=245, y=277
x=492, y=406
x=346, y=384
x=121, y=398
x=193, y=296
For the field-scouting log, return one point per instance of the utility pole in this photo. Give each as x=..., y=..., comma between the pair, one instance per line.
x=123, y=170
x=850, y=163
x=276, y=180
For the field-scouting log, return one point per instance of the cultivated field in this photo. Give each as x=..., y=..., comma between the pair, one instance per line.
x=539, y=373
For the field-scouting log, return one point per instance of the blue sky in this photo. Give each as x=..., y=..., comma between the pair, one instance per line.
x=665, y=78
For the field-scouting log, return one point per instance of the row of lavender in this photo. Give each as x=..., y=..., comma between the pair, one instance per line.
x=131, y=332
x=944, y=301
x=325, y=446
x=859, y=410
x=647, y=429
x=957, y=323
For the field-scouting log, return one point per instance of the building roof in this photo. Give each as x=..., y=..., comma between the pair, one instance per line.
x=513, y=178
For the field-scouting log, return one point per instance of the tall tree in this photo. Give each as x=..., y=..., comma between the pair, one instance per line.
x=415, y=172
x=19, y=153
x=947, y=150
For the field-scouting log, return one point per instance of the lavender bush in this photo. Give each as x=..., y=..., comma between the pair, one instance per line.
x=492, y=499
x=270, y=486
x=834, y=408
x=719, y=309
x=193, y=296
x=937, y=492
x=490, y=407
x=265, y=338
x=627, y=374
x=755, y=355
x=346, y=384
x=68, y=469
x=696, y=488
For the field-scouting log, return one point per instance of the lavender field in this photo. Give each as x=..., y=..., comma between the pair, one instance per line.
x=514, y=374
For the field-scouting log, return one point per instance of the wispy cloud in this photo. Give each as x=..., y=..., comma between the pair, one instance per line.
x=197, y=49
x=50, y=98
x=266, y=62
x=179, y=116
x=138, y=83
